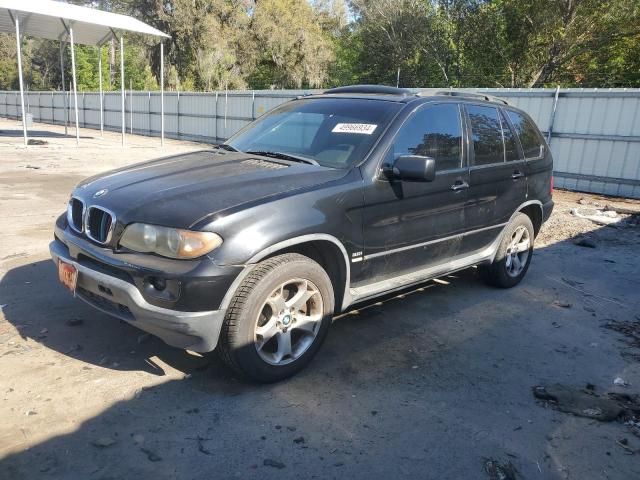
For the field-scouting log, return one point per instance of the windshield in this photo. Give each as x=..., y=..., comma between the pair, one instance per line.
x=334, y=132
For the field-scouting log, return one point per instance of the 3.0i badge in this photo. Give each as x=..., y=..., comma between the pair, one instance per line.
x=100, y=193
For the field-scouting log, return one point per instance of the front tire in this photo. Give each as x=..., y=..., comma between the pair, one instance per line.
x=514, y=254
x=278, y=318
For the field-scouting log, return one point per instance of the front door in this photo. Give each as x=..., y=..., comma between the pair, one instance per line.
x=412, y=225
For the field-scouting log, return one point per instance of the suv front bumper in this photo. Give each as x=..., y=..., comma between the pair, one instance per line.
x=197, y=331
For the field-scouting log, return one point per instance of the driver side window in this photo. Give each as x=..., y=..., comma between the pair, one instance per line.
x=433, y=131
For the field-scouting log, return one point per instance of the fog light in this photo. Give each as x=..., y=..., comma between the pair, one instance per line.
x=158, y=283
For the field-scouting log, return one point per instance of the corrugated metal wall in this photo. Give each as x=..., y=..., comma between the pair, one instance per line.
x=595, y=133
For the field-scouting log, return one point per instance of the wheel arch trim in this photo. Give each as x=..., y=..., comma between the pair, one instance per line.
x=526, y=204
x=276, y=247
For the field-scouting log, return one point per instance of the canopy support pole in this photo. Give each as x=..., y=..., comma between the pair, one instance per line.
x=64, y=89
x=75, y=86
x=122, y=84
x=19, y=52
x=100, y=93
x=162, y=94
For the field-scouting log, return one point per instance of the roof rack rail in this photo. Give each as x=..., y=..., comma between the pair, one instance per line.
x=483, y=96
x=373, y=89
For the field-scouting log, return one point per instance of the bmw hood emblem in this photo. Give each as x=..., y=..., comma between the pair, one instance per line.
x=100, y=193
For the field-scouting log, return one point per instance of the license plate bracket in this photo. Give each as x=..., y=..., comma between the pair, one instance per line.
x=68, y=275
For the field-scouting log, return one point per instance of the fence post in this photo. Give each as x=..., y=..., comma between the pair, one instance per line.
x=149, y=113
x=553, y=115
x=253, y=105
x=216, y=121
x=84, y=112
x=178, y=115
x=226, y=103
x=131, y=103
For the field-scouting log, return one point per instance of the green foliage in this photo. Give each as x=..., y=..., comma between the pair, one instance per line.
x=235, y=44
x=8, y=65
x=513, y=43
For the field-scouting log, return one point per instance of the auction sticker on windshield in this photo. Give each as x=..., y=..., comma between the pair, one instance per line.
x=363, y=128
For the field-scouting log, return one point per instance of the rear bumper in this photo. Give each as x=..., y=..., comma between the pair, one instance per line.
x=197, y=331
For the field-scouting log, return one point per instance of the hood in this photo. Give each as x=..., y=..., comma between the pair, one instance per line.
x=179, y=190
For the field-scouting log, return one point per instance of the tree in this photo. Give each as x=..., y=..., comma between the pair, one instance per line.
x=289, y=44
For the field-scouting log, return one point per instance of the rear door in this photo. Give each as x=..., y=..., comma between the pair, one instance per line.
x=412, y=225
x=539, y=163
x=497, y=176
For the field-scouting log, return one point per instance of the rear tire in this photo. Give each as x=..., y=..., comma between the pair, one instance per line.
x=278, y=318
x=514, y=254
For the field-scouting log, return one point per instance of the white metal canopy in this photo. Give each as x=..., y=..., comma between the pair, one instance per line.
x=61, y=21
x=41, y=18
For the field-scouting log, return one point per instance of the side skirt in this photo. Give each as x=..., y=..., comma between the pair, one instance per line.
x=372, y=290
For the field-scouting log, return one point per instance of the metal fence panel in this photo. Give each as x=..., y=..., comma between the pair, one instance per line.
x=595, y=140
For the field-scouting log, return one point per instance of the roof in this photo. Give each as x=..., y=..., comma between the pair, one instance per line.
x=44, y=19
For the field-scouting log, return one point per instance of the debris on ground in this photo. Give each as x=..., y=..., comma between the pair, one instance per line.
x=634, y=427
x=500, y=471
x=35, y=141
x=298, y=440
x=624, y=443
x=583, y=403
x=74, y=322
x=623, y=210
x=586, y=403
x=268, y=462
x=601, y=217
x=103, y=442
x=631, y=330
x=33, y=167
x=153, y=457
x=561, y=304
x=584, y=241
x=201, y=448
x=619, y=382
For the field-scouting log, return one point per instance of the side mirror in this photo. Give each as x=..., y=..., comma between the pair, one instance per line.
x=414, y=168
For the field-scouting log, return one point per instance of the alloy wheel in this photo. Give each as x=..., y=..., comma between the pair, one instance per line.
x=518, y=251
x=288, y=322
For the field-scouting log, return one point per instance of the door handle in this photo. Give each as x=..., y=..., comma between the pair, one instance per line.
x=517, y=174
x=459, y=185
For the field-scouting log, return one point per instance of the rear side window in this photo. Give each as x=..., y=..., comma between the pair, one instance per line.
x=530, y=138
x=511, y=152
x=432, y=132
x=487, y=134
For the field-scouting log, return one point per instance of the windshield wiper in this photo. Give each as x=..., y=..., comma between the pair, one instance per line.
x=283, y=156
x=224, y=146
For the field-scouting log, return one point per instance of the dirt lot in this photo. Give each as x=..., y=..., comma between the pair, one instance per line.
x=435, y=383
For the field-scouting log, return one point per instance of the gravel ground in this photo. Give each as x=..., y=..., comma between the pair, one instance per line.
x=433, y=383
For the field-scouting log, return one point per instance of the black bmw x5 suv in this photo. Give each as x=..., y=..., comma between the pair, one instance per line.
x=326, y=201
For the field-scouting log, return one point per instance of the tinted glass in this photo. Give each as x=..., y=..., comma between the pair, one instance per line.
x=530, y=137
x=335, y=132
x=433, y=132
x=510, y=145
x=487, y=134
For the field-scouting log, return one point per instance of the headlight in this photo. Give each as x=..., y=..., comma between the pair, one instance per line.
x=169, y=242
